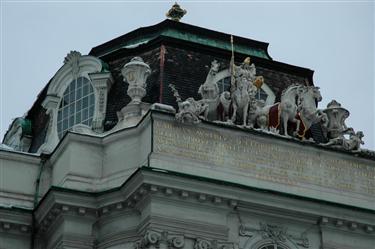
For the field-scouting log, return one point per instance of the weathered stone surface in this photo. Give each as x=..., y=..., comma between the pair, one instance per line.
x=268, y=163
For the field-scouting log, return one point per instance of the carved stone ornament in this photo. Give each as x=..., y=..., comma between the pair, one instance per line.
x=277, y=234
x=135, y=74
x=296, y=116
x=189, y=110
x=73, y=60
x=161, y=240
x=336, y=116
x=202, y=244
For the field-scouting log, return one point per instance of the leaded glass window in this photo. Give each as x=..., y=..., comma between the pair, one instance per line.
x=272, y=246
x=76, y=106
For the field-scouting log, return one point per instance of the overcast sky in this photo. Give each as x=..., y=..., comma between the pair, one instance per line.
x=333, y=38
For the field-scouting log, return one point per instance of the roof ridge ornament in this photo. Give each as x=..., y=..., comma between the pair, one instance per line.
x=176, y=12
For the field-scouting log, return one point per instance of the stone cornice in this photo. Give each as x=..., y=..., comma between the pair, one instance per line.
x=15, y=220
x=20, y=156
x=149, y=184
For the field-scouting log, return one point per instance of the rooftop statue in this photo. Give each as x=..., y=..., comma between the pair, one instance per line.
x=209, y=91
x=293, y=117
x=242, y=89
x=189, y=110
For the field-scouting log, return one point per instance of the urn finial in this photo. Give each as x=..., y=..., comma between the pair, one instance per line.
x=135, y=73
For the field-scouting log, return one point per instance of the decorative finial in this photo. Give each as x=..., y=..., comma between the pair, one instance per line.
x=176, y=13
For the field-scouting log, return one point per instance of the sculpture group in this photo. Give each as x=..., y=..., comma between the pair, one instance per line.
x=292, y=117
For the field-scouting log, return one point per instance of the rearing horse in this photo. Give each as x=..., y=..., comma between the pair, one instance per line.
x=288, y=107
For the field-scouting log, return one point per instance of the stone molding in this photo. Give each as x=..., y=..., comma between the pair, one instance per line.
x=131, y=198
x=15, y=222
x=102, y=83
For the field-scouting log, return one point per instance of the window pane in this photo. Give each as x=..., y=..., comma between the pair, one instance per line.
x=91, y=111
x=92, y=99
x=85, y=114
x=65, y=112
x=85, y=90
x=79, y=93
x=79, y=83
x=78, y=117
x=77, y=105
x=85, y=102
x=71, y=109
x=71, y=121
x=65, y=124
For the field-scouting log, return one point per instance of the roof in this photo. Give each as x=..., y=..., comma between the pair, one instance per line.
x=186, y=32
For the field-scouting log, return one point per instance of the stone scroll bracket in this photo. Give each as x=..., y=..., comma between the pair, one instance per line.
x=102, y=83
x=51, y=103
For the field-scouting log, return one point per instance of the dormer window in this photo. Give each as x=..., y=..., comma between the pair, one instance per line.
x=76, y=106
x=77, y=95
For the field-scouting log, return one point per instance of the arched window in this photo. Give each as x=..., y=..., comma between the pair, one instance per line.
x=272, y=246
x=224, y=85
x=76, y=106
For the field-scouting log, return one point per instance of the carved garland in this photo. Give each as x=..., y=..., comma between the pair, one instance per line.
x=277, y=234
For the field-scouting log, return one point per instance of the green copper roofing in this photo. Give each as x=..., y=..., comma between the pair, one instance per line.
x=105, y=66
x=26, y=126
x=188, y=36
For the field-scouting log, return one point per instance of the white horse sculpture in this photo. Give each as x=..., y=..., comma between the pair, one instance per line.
x=288, y=107
x=309, y=112
x=241, y=100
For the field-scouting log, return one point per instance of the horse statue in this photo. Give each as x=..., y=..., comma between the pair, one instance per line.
x=308, y=111
x=209, y=91
x=289, y=108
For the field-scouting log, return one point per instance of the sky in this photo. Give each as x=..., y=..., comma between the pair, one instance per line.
x=333, y=38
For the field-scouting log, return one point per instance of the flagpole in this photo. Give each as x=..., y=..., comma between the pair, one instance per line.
x=232, y=65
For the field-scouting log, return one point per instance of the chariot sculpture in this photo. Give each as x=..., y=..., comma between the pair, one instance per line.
x=292, y=117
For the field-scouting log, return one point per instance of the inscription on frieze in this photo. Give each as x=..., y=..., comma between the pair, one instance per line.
x=264, y=160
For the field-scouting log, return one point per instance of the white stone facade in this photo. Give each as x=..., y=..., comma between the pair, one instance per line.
x=149, y=187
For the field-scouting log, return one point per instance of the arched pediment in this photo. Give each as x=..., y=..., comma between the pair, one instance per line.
x=75, y=65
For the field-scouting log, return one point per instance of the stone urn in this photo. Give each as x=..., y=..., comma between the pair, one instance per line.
x=135, y=73
x=336, y=119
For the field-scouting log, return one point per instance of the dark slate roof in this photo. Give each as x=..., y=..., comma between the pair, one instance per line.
x=185, y=32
